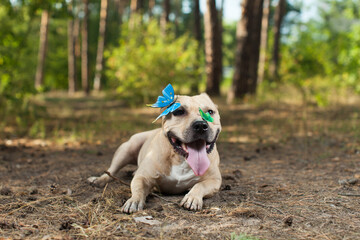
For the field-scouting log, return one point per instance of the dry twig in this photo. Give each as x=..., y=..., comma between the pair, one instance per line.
x=266, y=206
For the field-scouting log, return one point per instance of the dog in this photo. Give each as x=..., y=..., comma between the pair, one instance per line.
x=180, y=155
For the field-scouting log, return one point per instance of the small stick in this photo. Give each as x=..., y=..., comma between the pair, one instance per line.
x=102, y=196
x=153, y=194
x=263, y=205
x=164, y=199
x=117, y=179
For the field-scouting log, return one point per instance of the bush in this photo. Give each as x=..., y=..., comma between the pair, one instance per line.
x=147, y=60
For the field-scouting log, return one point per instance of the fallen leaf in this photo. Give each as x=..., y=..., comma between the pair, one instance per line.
x=147, y=220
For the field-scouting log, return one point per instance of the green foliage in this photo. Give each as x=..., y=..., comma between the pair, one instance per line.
x=323, y=55
x=229, y=44
x=349, y=58
x=15, y=64
x=19, y=41
x=56, y=74
x=146, y=60
x=319, y=57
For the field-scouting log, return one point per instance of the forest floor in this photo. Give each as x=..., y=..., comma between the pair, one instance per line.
x=288, y=173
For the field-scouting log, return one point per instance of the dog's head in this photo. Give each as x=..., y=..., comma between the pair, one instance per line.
x=189, y=134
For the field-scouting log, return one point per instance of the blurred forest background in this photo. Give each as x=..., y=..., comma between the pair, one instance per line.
x=75, y=76
x=129, y=50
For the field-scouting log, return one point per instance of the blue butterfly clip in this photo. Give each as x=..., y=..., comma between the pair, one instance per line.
x=167, y=100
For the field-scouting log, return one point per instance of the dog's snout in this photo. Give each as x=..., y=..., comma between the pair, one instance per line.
x=200, y=126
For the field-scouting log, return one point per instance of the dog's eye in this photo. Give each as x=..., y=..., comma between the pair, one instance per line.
x=179, y=112
x=211, y=112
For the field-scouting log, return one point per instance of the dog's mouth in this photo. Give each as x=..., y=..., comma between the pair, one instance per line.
x=195, y=152
x=182, y=148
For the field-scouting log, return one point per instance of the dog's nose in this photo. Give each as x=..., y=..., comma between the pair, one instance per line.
x=200, y=126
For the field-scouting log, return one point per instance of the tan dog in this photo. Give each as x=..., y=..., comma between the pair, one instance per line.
x=164, y=156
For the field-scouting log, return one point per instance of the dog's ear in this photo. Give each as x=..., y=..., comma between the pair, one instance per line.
x=207, y=96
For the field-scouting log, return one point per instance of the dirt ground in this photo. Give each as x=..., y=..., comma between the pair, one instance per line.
x=287, y=174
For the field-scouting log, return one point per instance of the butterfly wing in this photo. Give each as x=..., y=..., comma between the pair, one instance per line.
x=174, y=107
x=166, y=99
x=160, y=102
x=162, y=114
x=168, y=92
x=168, y=110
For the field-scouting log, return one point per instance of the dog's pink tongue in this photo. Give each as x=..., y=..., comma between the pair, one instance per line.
x=198, y=159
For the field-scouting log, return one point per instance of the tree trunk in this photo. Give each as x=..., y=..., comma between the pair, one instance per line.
x=197, y=21
x=84, y=49
x=220, y=36
x=247, y=51
x=71, y=55
x=135, y=12
x=44, y=28
x=178, y=15
x=77, y=36
x=264, y=39
x=101, y=44
x=136, y=6
x=279, y=15
x=165, y=16
x=151, y=7
x=120, y=6
x=213, y=50
x=197, y=35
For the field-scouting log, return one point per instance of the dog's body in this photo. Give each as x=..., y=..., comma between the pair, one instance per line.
x=179, y=156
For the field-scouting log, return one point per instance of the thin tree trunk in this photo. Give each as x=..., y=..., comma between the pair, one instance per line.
x=101, y=45
x=44, y=28
x=220, y=36
x=77, y=35
x=279, y=15
x=136, y=6
x=151, y=7
x=264, y=39
x=71, y=55
x=241, y=36
x=221, y=14
x=255, y=44
x=120, y=6
x=178, y=15
x=197, y=34
x=135, y=12
x=84, y=49
x=165, y=16
x=77, y=42
x=247, y=52
x=212, y=49
x=197, y=21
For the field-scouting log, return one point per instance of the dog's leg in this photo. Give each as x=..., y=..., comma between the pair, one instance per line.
x=126, y=154
x=194, y=199
x=140, y=188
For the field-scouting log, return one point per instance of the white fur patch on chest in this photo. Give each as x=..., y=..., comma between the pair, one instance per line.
x=180, y=179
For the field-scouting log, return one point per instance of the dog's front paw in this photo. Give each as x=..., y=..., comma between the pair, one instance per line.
x=192, y=203
x=133, y=205
x=99, y=181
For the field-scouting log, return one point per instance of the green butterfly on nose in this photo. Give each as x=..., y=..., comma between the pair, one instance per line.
x=206, y=116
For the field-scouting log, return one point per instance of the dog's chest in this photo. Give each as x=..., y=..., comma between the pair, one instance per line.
x=180, y=179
